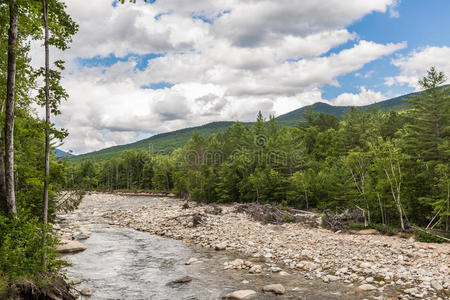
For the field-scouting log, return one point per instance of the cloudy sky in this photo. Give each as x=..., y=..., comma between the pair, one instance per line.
x=135, y=70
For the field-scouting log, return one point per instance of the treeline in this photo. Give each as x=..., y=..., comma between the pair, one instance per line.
x=392, y=165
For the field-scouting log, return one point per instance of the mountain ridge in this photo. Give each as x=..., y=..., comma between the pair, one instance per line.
x=168, y=141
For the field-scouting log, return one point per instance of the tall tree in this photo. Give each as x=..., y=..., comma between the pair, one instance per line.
x=47, y=110
x=430, y=118
x=10, y=196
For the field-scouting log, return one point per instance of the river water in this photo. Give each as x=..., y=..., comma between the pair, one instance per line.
x=122, y=263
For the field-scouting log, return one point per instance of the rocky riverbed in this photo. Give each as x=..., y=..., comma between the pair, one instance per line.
x=368, y=266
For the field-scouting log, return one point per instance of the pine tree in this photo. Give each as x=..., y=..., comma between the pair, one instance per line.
x=430, y=119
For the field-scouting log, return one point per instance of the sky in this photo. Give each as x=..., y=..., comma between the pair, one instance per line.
x=135, y=70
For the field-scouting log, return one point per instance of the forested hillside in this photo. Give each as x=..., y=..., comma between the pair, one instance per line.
x=167, y=142
x=392, y=165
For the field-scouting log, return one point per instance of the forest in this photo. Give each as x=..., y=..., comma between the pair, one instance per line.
x=394, y=166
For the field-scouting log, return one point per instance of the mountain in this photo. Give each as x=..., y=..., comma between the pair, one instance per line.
x=297, y=115
x=167, y=142
x=62, y=154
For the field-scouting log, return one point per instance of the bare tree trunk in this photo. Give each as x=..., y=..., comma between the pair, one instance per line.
x=47, y=113
x=3, y=205
x=47, y=126
x=10, y=104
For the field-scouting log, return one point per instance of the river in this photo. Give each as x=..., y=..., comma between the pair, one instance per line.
x=122, y=263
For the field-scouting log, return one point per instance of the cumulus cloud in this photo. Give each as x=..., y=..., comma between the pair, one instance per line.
x=222, y=60
x=364, y=97
x=414, y=66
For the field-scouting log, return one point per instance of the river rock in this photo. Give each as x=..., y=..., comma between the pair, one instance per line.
x=255, y=269
x=191, y=261
x=69, y=246
x=436, y=285
x=86, y=292
x=367, y=287
x=237, y=263
x=73, y=281
x=242, y=295
x=182, y=280
x=275, y=288
x=221, y=246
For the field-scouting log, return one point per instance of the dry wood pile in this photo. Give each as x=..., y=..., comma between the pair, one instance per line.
x=341, y=222
x=271, y=214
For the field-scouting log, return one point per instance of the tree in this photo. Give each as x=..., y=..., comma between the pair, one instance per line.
x=388, y=160
x=47, y=110
x=358, y=163
x=430, y=119
x=9, y=110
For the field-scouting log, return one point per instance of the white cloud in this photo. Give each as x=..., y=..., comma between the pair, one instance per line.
x=414, y=66
x=365, y=97
x=267, y=55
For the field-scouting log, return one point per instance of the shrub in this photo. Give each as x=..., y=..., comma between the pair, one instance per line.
x=383, y=229
x=427, y=237
x=22, y=248
x=357, y=226
x=288, y=218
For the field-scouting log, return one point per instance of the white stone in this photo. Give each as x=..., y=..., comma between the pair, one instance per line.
x=242, y=295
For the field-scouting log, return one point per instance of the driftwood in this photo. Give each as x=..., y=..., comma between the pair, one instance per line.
x=214, y=210
x=342, y=221
x=271, y=214
x=197, y=218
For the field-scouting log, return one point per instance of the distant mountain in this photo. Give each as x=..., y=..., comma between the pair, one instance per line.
x=338, y=111
x=167, y=142
x=62, y=154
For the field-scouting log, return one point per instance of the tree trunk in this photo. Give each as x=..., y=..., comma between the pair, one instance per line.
x=9, y=111
x=47, y=127
x=3, y=205
x=47, y=113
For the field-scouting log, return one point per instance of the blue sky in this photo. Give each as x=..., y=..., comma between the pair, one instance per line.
x=140, y=69
x=420, y=24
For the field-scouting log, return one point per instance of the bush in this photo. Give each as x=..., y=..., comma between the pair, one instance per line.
x=427, y=237
x=288, y=218
x=383, y=229
x=357, y=226
x=22, y=249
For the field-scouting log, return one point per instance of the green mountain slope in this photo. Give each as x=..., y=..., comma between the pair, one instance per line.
x=167, y=142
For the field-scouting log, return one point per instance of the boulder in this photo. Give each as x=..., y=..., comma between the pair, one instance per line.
x=86, y=292
x=68, y=246
x=221, y=246
x=237, y=263
x=255, y=269
x=275, y=288
x=242, y=295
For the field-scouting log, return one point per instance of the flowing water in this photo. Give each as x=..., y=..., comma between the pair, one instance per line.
x=122, y=263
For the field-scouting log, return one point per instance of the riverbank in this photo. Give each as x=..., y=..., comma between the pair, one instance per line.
x=369, y=262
